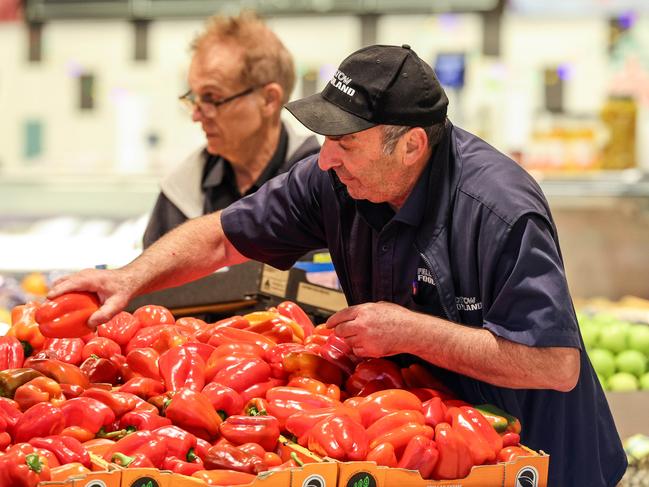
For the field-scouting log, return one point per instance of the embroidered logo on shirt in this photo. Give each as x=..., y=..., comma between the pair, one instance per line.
x=468, y=303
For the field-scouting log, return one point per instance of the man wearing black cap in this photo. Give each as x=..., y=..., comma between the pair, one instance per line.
x=445, y=248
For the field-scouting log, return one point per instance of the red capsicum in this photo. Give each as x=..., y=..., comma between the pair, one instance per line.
x=66, y=316
x=169, y=337
x=152, y=315
x=511, y=439
x=314, y=385
x=393, y=420
x=376, y=369
x=100, y=370
x=256, y=406
x=12, y=379
x=66, y=449
x=510, y=453
x=98, y=446
x=190, y=325
x=12, y=354
x=383, y=454
x=5, y=437
x=23, y=467
x=420, y=454
x=284, y=401
x=142, y=420
x=61, y=372
x=42, y=419
x=454, y=461
x=243, y=374
x=10, y=412
x=225, y=400
x=142, y=448
x=260, y=389
x=143, y=387
x=275, y=358
x=180, y=443
x=147, y=337
x=297, y=314
x=101, y=347
x=336, y=351
x=25, y=328
x=236, y=335
x=378, y=404
x=179, y=368
x=203, y=350
x=193, y=412
x=401, y=435
x=434, y=411
x=183, y=467
x=226, y=456
x=78, y=433
x=144, y=362
x=121, y=328
x=206, y=333
x=417, y=375
x=263, y=430
x=495, y=416
x=120, y=404
x=88, y=413
x=339, y=437
x=66, y=350
x=484, y=442
x=308, y=364
x=301, y=422
x=40, y=389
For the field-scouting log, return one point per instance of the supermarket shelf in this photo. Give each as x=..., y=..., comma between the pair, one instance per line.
x=629, y=183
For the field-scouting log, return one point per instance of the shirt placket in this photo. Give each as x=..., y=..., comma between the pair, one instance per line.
x=385, y=251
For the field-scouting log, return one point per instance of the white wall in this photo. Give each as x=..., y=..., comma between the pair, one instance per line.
x=135, y=99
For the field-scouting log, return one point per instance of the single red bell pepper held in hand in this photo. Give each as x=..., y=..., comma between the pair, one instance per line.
x=336, y=351
x=121, y=328
x=66, y=316
x=263, y=430
x=101, y=347
x=66, y=449
x=12, y=354
x=42, y=419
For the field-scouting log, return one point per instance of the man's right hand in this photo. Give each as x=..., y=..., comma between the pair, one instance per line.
x=114, y=287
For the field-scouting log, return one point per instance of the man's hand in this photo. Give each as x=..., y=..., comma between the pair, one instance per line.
x=114, y=288
x=374, y=329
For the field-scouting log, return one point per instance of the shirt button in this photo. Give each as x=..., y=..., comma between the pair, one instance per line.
x=385, y=248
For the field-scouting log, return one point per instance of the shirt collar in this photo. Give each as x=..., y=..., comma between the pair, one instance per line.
x=412, y=211
x=218, y=170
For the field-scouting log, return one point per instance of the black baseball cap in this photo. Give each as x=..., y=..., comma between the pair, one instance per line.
x=375, y=85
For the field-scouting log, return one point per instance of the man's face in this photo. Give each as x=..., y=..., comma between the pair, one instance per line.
x=215, y=73
x=360, y=164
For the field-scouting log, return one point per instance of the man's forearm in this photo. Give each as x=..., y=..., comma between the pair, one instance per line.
x=478, y=353
x=190, y=251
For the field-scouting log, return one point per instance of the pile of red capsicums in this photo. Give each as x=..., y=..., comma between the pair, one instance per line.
x=211, y=400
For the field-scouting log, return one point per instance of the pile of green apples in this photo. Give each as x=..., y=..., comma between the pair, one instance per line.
x=618, y=350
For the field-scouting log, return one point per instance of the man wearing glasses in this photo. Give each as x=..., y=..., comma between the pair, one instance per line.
x=240, y=77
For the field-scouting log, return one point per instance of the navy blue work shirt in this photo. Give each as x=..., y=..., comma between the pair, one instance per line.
x=475, y=244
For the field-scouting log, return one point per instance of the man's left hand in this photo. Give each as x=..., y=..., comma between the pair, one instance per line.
x=374, y=329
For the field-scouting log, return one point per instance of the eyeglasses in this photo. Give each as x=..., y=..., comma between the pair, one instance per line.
x=206, y=104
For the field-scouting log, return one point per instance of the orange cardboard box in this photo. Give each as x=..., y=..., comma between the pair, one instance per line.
x=94, y=479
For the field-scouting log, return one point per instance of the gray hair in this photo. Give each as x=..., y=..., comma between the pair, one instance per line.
x=392, y=134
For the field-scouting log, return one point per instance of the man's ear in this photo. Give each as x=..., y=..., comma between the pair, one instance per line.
x=272, y=94
x=415, y=146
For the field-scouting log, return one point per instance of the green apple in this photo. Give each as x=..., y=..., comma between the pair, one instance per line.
x=644, y=382
x=639, y=338
x=590, y=333
x=603, y=362
x=613, y=337
x=622, y=382
x=631, y=361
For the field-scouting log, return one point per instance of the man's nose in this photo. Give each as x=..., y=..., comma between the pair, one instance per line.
x=328, y=158
x=197, y=114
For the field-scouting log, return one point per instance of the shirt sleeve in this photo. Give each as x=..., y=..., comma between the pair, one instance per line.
x=530, y=302
x=282, y=220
